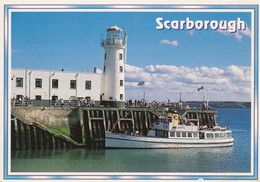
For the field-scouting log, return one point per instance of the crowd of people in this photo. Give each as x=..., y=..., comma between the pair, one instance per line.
x=156, y=104
x=21, y=101
x=88, y=102
x=80, y=102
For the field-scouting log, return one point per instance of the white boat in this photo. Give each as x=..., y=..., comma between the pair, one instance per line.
x=168, y=133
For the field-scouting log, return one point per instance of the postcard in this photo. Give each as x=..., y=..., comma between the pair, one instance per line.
x=129, y=91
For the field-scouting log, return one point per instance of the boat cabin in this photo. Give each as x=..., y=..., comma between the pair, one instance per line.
x=165, y=127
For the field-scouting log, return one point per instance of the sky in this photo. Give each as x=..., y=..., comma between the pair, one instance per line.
x=169, y=61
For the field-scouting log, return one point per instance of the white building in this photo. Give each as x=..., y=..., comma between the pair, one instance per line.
x=105, y=88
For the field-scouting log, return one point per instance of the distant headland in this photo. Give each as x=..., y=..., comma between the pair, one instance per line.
x=222, y=104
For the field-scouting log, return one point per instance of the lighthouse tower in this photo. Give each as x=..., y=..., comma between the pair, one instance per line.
x=114, y=67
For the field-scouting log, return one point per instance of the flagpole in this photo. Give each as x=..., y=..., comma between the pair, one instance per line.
x=207, y=97
x=144, y=94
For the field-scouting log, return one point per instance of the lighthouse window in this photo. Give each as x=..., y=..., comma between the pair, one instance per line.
x=73, y=84
x=104, y=69
x=121, y=96
x=38, y=83
x=19, y=82
x=121, y=69
x=120, y=56
x=88, y=85
x=55, y=83
x=105, y=56
x=121, y=83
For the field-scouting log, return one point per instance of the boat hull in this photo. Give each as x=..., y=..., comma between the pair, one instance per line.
x=143, y=142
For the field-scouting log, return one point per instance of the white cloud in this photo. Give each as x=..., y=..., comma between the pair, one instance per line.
x=238, y=34
x=99, y=71
x=163, y=82
x=174, y=42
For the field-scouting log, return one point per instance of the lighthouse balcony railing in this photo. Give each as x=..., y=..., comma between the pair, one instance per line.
x=112, y=41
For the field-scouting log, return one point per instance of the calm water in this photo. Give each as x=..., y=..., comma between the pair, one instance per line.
x=227, y=159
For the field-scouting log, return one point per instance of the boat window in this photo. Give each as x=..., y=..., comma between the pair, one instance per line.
x=222, y=135
x=202, y=135
x=229, y=135
x=209, y=135
x=189, y=135
x=172, y=134
x=178, y=134
x=183, y=134
x=162, y=134
x=165, y=134
x=195, y=135
x=216, y=135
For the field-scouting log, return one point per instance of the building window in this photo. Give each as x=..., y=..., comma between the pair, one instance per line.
x=38, y=83
x=55, y=83
x=120, y=56
x=121, y=83
x=121, y=96
x=19, y=82
x=88, y=85
x=73, y=84
x=105, y=55
x=120, y=69
x=110, y=98
x=38, y=97
x=104, y=69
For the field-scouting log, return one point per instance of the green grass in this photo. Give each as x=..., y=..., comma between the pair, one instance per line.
x=65, y=131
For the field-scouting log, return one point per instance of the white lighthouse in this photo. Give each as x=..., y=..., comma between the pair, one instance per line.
x=114, y=66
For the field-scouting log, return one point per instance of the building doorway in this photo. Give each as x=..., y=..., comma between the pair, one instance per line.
x=54, y=100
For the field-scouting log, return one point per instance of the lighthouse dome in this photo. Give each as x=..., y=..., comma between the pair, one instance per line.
x=114, y=29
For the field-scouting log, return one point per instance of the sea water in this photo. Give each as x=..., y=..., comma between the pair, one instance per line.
x=223, y=159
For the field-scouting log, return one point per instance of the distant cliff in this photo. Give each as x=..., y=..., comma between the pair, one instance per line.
x=221, y=104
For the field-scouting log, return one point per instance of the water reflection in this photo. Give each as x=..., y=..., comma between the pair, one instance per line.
x=120, y=160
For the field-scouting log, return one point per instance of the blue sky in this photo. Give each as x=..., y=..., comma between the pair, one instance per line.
x=56, y=40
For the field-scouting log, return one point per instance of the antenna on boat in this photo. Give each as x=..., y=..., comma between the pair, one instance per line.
x=228, y=125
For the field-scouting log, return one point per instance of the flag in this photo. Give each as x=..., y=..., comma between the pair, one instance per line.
x=140, y=83
x=200, y=88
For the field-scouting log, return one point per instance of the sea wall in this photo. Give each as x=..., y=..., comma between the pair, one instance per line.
x=58, y=117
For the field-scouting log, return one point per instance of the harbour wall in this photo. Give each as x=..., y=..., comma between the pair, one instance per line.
x=32, y=127
x=57, y=117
